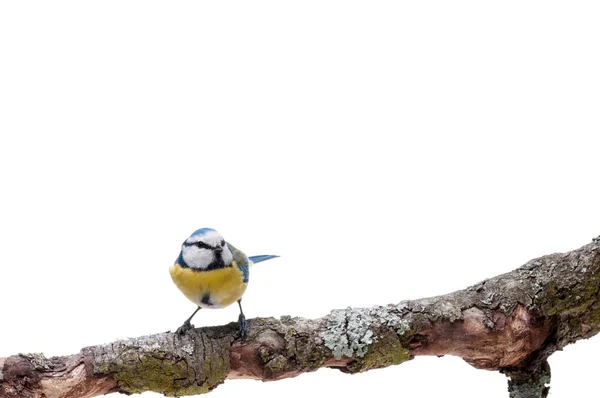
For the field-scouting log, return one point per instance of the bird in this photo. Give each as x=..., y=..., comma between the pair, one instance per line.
x=212, y=273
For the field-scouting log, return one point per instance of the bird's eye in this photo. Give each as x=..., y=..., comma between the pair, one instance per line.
x=202, y=245
x=222, y=243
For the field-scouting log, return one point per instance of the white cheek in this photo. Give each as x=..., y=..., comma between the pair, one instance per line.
x=197, y=258
x=227, y=256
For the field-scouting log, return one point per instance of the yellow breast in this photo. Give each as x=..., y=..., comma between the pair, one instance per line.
x=216, y=288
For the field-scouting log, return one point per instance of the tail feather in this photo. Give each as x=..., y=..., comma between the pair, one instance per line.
x=264, y=257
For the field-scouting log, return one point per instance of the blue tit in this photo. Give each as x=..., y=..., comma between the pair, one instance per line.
x=212, y=273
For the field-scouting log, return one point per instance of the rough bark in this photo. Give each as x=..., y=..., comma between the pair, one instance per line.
x=510, y=323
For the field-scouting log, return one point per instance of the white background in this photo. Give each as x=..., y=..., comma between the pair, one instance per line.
x=386, y=150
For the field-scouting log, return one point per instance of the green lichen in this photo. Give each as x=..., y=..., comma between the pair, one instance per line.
x=572, y=296
x=574, y=301
x=386, y=351
x=169, y=376
x=215, y=371
x=158, y=363
x=372, y=337
x=276, y=366
x=592, y=318
x=305, y=349
x=559, y=300
x=265, y=354
x=315, y=359
x=39, y=361
x=347, y=333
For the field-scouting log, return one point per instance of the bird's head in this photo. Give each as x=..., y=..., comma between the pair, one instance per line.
x=205, y=249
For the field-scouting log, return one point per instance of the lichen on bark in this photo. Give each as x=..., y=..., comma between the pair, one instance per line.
x=372, y=337
x=511, y=323
x=167, y=363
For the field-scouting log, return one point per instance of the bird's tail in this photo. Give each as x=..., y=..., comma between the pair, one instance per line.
x=264, y=257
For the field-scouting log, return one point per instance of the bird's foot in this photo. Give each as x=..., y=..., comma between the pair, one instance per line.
x=243, y=326
x=183, y=329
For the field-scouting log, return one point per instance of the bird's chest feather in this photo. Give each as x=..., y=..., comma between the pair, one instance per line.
x=216, y=288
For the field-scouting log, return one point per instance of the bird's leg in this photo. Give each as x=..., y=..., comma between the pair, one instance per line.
x=187, y=325
x=242, y=321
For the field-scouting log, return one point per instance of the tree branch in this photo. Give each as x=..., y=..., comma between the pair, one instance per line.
x=510, y=323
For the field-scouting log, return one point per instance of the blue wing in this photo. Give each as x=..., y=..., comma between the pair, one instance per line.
x=264, y=257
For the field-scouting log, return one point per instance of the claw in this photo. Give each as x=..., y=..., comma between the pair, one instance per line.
x=187, y=325
x=183, y=329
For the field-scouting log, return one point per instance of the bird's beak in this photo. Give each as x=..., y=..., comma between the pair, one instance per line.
x=218, y=249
